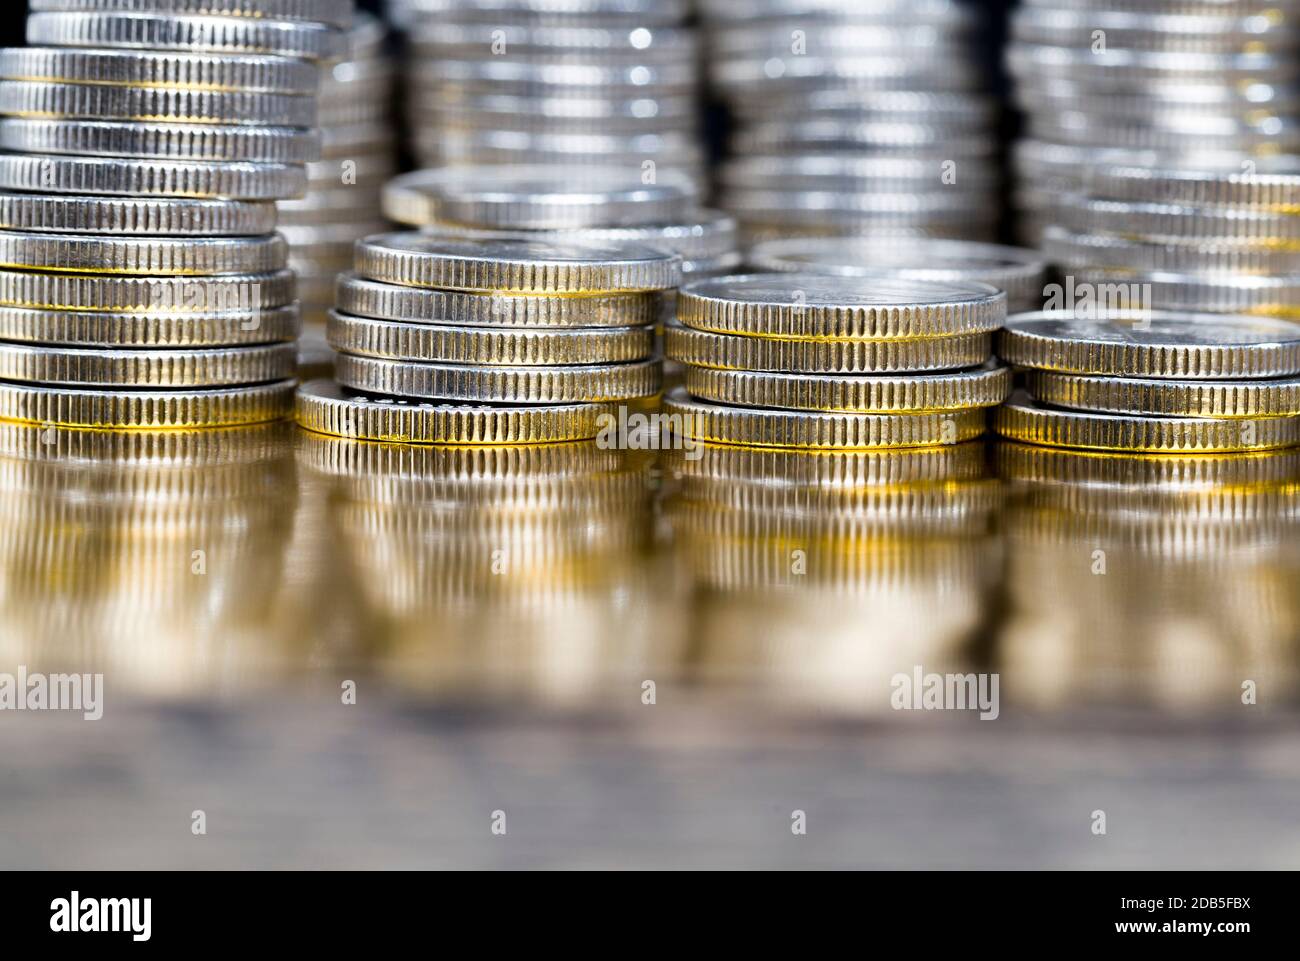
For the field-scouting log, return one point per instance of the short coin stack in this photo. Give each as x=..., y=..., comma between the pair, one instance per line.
x=855, y=117
x=1155, y=82
x=1205, y=240
x=488, y=342
x=141, y=281
x=802, y=360
x=570, y=82
x=1159, y=381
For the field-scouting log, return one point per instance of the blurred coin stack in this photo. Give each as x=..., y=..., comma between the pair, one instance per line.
x=1168, y=83
x=567, y=82
x=358, y=148
x=1155, y=381
x=443, y=340
x=804, y=360
x=1016, y=272
x=855, y=117
x=1204, y=240
x=141, y=282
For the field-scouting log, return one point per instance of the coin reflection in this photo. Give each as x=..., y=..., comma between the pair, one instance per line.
x=493, y=571
x=153, y=557
x=1166, y=580
x=818, y=576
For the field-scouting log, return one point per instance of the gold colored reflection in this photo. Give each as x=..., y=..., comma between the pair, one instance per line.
x=1166, y=579
x=153, y=557
x=493, y=571
x=819, y=576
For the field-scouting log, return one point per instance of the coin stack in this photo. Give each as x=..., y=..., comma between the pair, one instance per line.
x=1166, y=83
x=1157, y=381
x=805, y=360
x=603, y=82
x=484, y=342
x=855, y=117
x=1205, y=240
x=343, y=187
x=1017, y=272
x=141, y=282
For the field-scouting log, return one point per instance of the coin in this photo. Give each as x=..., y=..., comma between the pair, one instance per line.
x=322, y=406
x=288, y=38
x=199, y=295
x=160, y=141
x=454, y=344
x=368, y=298
x=67, y=407
x=171, y=256
x=1017, y=272
x=913, y=393
x=1177, y=222
x=1108, y=251
x=705, y=348
x=1139, y=395
x=337, y=13
x=1208, y=293
x=148, y=68
x=1271, y=184
x=99, y=328
x=154, y=178
x=1022, y=419
x=218, y=367
x=813, y=307
x=703, y=236
x=520, y=266
x=95, y=101
x=717, y=423
x=61, y=213
x=535, y=197
x=586, y=383
x=1153, y=344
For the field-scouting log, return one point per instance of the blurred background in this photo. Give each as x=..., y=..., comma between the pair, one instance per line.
x=572, y=657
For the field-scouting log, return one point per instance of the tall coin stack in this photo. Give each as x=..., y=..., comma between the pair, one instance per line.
x=855, y=117
x=488, y=342
x=1205, y=240
x=1153, y=381
x=357, y=158
x=811, y=361
x=141, y=282
x=1168, y=83
x=604, y=82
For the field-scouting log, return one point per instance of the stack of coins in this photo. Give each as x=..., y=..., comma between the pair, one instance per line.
x=1017, y=272
x=1153, y=381
x=1159, y=82
x=604, y=82
x=804, y=360
x=141, y=283
x=485, y=342
x=357, y=157
x=1206, y=240
x=855, y=117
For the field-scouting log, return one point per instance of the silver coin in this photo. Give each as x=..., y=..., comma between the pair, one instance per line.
x=215, y=367
x=287, y=38
x=1074, y=250
x=536, y=198
x=637, y=12
x=167, y=256
x=161, y=141
x=1017, y=272
x=153, y=178
x=439, y=38
x=62, y=213
x=95, y=101
x=337, y=13
x=102, y=328
x=849, y=173
x=198, y=295
x=830, y=134
x=448, y=76
x=148, y=68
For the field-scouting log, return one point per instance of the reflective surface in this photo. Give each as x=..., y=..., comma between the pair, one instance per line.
x=645, y=659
